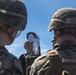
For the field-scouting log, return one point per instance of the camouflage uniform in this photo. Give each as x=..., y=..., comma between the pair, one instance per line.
x=13, y=19
x=33, y=51
x=61, y=60
x=9, y=64
x=26, y=61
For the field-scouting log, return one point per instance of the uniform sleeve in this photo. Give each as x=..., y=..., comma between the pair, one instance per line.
x=18, y=66
x=41, y=66
x=22, y=59
x=33, y=69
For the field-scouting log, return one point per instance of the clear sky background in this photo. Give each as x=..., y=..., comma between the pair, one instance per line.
x=39, y=15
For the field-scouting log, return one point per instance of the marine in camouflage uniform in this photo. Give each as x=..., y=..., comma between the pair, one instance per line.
x=13, y=20
x=61, y=60
x=31, y=53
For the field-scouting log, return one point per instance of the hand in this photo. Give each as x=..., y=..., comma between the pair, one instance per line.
x=28, y=45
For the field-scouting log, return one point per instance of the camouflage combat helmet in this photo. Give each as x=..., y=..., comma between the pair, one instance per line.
x=13, y=13
x=63, y=18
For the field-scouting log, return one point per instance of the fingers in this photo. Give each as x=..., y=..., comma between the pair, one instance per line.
x=28, y=45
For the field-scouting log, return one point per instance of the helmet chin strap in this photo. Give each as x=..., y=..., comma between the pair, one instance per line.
x=10, y=36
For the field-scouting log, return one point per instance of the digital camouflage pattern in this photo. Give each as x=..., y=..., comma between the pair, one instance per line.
x=63, y=18
x=32, y=46
x=9, y=64
x=15, y=11
x=61, y=60
x=13, y=15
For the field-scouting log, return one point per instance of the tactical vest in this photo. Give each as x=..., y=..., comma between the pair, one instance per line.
x=60, y=64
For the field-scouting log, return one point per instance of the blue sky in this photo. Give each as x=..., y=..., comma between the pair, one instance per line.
x=39, y=15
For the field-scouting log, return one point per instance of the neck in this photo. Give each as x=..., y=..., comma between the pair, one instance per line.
x=67, y=39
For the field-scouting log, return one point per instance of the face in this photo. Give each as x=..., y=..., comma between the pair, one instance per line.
x=67, y=39
x=8, y=32
x=11, y=34
x=65, y=36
